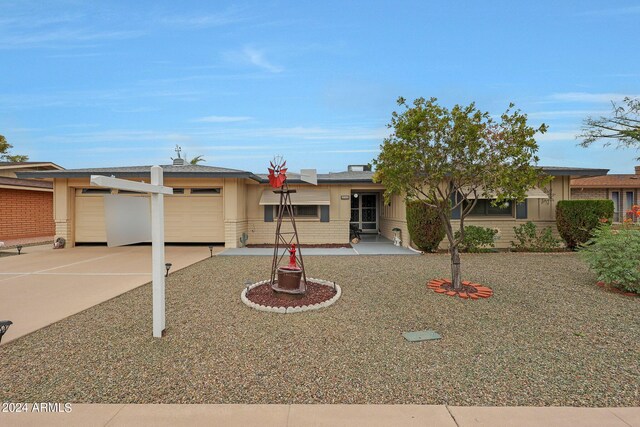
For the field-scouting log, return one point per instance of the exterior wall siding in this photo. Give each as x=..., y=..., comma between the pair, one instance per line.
x=25, y=214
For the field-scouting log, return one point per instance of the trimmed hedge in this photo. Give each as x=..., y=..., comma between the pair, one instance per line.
x=425, y=227
x=577, y=219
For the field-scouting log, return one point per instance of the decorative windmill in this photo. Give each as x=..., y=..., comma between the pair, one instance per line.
x=288, y=276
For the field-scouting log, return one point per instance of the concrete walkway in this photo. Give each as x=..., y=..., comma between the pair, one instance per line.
x=324, y=415
x=369, y=245
x=43, y=285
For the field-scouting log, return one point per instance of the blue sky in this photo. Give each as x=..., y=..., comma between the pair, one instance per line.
x=115, y=83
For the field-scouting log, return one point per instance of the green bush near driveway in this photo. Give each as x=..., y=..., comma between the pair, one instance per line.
x=425, y=226
x=577, y=219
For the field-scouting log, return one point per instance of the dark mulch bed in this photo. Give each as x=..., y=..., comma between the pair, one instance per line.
x=323, y=245
x=266, y=296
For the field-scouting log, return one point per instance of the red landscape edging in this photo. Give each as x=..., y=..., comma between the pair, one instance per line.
x=472, y=291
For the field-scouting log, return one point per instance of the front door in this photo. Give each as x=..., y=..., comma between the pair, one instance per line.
x=364, y=211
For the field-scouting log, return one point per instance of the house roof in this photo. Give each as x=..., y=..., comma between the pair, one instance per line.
x=175, y=171
x=329, y=178
x=30, y=165
x=27, y=183
x=608, y=181
x=191, y=171
x=568, y=171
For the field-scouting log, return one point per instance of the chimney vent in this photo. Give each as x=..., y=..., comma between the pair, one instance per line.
x=638, y=170
x=359, y=168
x=178, y=162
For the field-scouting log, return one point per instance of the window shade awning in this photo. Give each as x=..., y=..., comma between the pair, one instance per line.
x=534, y=193
x=300, y=197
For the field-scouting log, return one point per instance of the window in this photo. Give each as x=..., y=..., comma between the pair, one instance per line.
x=96, y=191
x=300, y=211
x=129, y=192
x=483, y=207
x=178, y=191
x=615, y=196
x=197, y=191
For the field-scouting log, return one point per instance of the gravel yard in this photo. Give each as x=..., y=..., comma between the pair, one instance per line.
x=549, y=336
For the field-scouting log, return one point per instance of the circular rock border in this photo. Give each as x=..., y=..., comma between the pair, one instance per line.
x=470, y=290
x=287, y=310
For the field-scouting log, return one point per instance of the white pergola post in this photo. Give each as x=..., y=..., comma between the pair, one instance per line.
x=157, y=191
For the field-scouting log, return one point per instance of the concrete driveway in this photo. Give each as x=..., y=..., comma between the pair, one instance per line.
x=43, y=286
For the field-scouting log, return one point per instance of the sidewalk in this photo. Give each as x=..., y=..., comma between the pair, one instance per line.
x=324, y=415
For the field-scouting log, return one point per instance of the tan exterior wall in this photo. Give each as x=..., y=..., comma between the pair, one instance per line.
x=310, y=231
x=540, y=211
x=242, y=212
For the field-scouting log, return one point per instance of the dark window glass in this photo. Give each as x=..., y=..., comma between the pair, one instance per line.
x=128, y=192
x=483, y=208
x=205, y=191
x=369, y=201
x=178, y=191
x=303, y=211
x=96, y=191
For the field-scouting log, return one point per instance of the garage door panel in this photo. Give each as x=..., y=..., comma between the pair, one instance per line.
x=197, y=219
x=90, y=225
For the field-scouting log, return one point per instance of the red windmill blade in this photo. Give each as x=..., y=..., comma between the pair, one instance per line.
x=277, y=174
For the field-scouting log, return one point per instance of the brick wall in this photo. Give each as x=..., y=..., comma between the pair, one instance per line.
x=25, y=213
x=589, y=193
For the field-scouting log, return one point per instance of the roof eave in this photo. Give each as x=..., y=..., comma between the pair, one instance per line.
x=87, y=174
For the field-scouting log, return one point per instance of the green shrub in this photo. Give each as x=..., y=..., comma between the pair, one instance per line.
x=477, y=239
x=577, y=219
x=425, y=227
x=530, y=240
x=613, y=256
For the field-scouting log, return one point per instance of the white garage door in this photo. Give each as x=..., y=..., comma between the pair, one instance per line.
x=188, y=218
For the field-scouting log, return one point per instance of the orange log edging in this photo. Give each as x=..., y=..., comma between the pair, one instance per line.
x=482, y=291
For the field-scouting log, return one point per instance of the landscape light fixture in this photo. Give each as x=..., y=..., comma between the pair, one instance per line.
x=168, y=267
x=4, y=325
x=19, y=248
x=211, y=251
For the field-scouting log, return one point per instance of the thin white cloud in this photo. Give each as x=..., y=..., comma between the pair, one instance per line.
x=196, y=21
x=221, y=119
x=63, y=37
x=352, y=151
x=257, y=57
x=564, y=113
x=614, y=11
x=587, y=97
x=557, y=136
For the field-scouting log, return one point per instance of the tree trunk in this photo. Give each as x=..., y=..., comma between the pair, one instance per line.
x=456, y=277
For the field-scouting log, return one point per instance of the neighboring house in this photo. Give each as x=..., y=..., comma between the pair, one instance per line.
x=26, y=205
x=218, y=205
x=623, y=189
